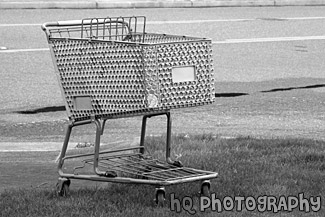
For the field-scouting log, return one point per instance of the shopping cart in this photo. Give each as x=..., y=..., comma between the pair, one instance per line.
x=111, y=68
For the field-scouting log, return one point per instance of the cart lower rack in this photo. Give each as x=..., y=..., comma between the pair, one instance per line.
x=143, y=167
x=111, y=68
x=131, y=165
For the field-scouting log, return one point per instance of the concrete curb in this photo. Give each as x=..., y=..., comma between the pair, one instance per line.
x=49, y=5
x=104, y=4
x=57, y=146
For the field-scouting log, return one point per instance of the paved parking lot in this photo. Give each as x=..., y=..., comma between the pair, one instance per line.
x=273, y=55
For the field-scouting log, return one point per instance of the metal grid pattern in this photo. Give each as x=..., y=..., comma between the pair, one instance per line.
x=109, y=73
x=145, y=167
x=108, y=28
x=130, y=74
x=152, y=38
x=188, y=93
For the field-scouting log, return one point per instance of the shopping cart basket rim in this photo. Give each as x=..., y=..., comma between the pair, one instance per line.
x=87, y=21
x=91, y=21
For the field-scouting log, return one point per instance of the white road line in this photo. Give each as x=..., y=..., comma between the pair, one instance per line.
x=227, y=41
x=19, y=24
x=198, y=21
x=24, y=50
x=275, y=39
x=192, y=21
x=234, y=20
x=304, y=18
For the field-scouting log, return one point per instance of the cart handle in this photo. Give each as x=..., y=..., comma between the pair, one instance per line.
x=60, y=23
x=80, y=22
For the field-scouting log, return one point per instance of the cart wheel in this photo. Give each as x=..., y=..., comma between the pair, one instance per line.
x=160, y=197
x=205, y=188
x=110, y=174
x=63, y=187
x=65, y=190
x=178, y=163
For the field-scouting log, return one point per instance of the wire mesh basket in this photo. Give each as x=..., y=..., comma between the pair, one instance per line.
x=110, y=67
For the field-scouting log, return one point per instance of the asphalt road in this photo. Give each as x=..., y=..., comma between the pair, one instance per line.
x=255, y=49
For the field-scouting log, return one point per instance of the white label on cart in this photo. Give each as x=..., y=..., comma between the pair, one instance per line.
x=82, y=103
x=152, y=101
x=185, y=73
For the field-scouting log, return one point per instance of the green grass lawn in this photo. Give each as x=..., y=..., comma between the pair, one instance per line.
x=246, y=167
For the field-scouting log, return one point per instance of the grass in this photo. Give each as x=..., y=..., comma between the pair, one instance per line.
x=246, y=167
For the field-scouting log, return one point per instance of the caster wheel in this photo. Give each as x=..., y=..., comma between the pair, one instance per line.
x=205, y=189
x=110, y=174
x=178, y=163
x=63, y=187
x=65, y=190
x=160, y=197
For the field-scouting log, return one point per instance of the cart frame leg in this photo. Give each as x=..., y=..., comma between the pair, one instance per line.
x=143, y=132
x=66, y=143
x=64, y=147
x=168, y=136
x=99, y=131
